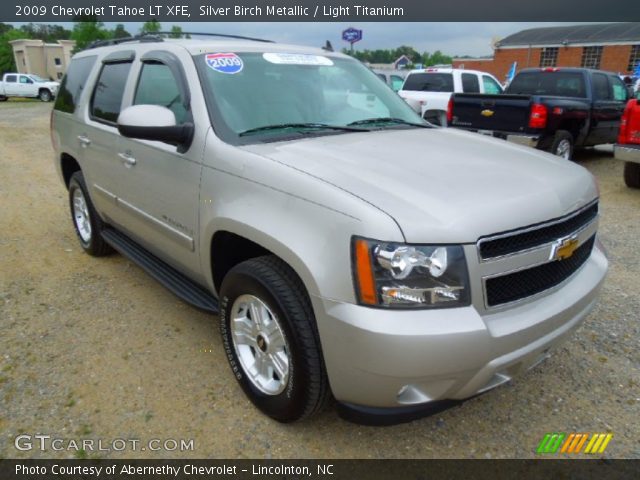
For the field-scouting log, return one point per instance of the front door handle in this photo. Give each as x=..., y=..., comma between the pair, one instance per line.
x=127, y=159
x=84, y=140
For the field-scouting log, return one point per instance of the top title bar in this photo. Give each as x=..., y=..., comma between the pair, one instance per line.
x=318, y=10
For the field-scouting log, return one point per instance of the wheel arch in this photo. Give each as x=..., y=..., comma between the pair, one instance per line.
x=68, y=166
x=234, y=242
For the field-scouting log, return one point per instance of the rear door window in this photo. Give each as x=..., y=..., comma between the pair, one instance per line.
x=429, y=82
x=470, y=83
x=396, y=82
x=601, y=87
x=11, y=78
x=108, y=92
x=490, y=85
x=73, y=83
x=618, y=89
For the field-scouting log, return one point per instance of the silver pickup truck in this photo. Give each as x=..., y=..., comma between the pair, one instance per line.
x=350, y=248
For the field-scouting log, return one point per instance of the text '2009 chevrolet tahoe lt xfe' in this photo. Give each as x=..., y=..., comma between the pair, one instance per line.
x=350, y=248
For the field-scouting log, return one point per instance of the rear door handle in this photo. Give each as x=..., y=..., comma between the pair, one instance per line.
x=127, y=159
x=84, y=140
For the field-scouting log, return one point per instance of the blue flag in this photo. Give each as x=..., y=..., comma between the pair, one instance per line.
x=512, y=72
x=636, y=72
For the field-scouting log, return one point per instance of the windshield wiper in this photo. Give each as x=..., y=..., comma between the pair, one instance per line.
x=302, y=126
x=369, y=121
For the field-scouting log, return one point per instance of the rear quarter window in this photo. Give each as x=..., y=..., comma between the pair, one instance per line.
x=429, y=82
x=73, y=84
x=561, y=84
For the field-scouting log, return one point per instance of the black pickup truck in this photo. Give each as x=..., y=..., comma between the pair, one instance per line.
x=553, y=109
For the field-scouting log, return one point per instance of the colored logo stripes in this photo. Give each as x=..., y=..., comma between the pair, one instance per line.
x=574, y=443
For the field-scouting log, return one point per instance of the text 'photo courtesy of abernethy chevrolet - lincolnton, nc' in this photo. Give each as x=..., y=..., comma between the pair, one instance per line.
x=351, y=248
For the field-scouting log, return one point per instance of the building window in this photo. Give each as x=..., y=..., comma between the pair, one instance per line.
x=57, y=61
x=591, y=57
x=549, y=57
x=634, y=58
x=59, y=75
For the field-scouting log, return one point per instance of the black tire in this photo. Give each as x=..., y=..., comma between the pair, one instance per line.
x=632, y=174
x=45, y=95
x=94, y=244
x=275, y=284
x=435, y=117
x=559, y=142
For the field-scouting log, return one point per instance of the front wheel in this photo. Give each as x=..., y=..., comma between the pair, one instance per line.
x=45, y=95
x=271, y=341
x=632, y=174
x=562, y=145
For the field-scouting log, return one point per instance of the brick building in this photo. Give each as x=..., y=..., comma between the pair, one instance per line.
x=610, y=46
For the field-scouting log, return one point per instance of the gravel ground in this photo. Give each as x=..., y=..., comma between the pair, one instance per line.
x=95, y=349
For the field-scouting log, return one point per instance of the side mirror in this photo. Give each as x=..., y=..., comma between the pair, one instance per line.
x=152, y=122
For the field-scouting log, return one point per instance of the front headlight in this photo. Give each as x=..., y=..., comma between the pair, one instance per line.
x=397, y=275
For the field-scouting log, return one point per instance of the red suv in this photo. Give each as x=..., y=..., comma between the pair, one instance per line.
x=628, y=146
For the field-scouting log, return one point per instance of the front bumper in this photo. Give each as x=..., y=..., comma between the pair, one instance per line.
x=391, y=359
x=627, y=153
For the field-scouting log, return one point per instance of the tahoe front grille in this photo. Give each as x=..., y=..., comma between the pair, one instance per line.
x=530, y=237
x=525, y=283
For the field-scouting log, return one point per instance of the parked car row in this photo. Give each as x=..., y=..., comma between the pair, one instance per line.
x=628, y=147
x=552, y=109
x=27, y=86
x=428, y=90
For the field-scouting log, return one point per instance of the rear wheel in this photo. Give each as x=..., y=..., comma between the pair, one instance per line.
x=86, y=221
x=45, y=95
x=436, y=117
x=632, y=174
x=562, y=145
x=269, y=334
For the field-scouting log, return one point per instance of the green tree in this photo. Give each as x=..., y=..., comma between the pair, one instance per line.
x=176, y=32
x=152, y=26
x=45, y=32
x=87, y=31
x=5, y=27
x=120, y=32
x=7, y=60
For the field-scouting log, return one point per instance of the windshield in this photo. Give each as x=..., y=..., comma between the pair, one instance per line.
x=559, y=84
x=250, y=94
x=429, y=82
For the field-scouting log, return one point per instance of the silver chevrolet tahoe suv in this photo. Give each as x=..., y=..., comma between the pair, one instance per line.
x=350, y=248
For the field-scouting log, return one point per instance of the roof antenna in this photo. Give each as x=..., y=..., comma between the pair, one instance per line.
x=328, y=47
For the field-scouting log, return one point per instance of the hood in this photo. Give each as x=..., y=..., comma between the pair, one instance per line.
x=442, y=185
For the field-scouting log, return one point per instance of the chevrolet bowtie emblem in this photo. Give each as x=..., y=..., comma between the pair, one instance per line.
x=487, y=113
x=563, y=248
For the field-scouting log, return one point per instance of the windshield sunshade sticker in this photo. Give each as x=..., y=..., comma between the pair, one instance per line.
x=224, y=62
x=297, y=59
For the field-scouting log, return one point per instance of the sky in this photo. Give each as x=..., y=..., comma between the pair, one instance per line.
x=455, y=38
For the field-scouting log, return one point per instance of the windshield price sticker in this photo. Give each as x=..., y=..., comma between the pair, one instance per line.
x=297, y=59
x=224, y=62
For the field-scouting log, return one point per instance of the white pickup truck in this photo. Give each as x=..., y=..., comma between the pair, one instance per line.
x=27, y=85
x=428, y=90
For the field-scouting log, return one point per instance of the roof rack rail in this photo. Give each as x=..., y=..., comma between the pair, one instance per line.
x=145, y=37
x=225, y=35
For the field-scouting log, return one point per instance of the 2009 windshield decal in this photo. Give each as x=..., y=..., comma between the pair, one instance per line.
x=224, y=62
